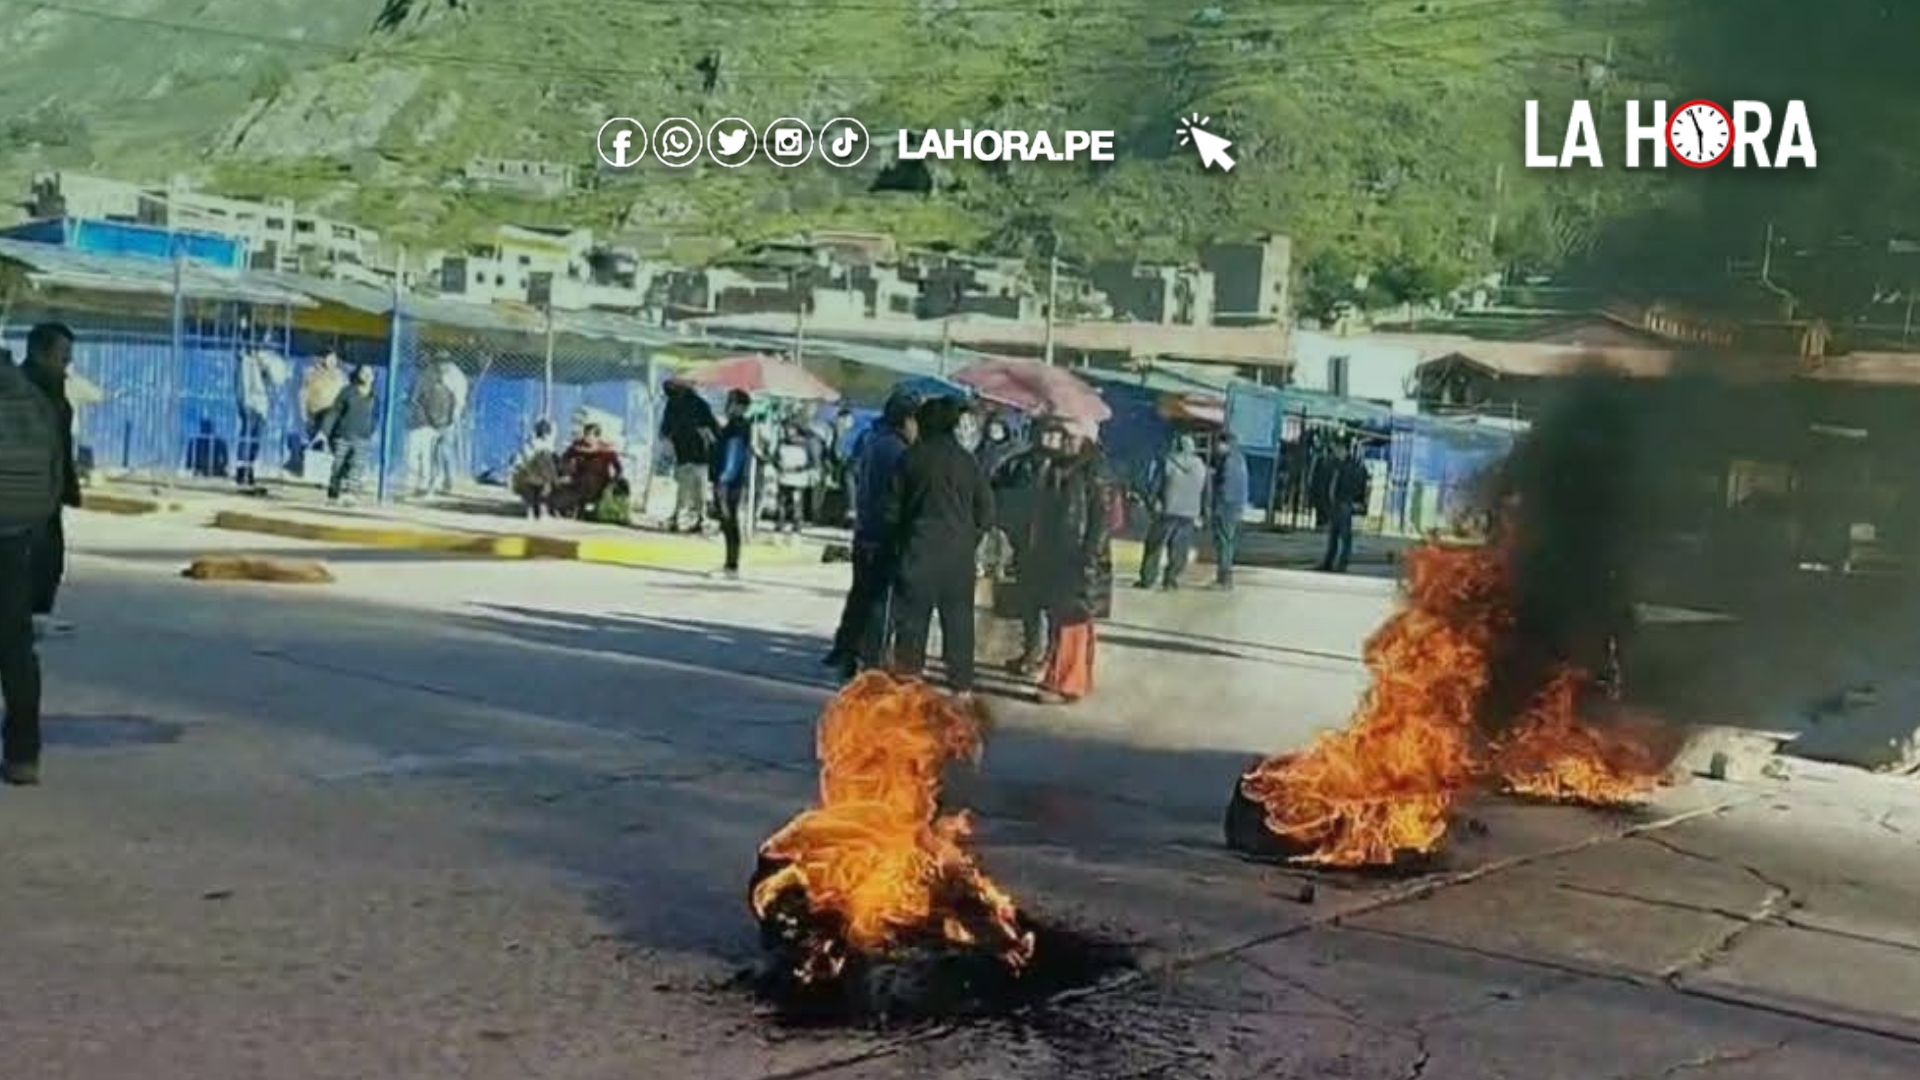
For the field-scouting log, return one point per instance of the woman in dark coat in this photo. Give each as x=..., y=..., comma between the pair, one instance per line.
x=1069, y=558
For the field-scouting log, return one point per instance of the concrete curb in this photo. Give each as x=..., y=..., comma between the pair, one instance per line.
x=101, y=502
x=657, y=553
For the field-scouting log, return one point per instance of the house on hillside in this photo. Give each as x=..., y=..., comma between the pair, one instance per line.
x=537, y=264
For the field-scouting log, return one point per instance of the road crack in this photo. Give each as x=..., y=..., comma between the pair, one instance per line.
x=1776, y=901
x=1713, y=1059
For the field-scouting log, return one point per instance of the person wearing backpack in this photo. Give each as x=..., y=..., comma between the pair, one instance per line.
x=33, y=476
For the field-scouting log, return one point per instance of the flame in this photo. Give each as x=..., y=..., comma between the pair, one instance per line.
x=1552, y=754
x=877, y=861
x=1386, y=786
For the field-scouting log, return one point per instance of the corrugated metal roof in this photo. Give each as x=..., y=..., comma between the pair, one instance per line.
x=60, y=267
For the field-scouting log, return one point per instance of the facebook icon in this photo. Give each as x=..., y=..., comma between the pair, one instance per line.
x=622, y=142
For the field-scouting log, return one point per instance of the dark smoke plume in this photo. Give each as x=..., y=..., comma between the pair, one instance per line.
x=1621, y=496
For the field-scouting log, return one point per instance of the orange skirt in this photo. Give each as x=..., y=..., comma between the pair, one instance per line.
x=1070, y=671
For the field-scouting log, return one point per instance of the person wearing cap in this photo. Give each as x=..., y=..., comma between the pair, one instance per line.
x=860, y=641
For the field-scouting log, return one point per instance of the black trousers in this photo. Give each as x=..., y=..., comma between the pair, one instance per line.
x=19, y=662
x=1339, y=540
x=47, y=563
x=729, y=498
x=865, y=619
x=943, y=587
x=253, y=426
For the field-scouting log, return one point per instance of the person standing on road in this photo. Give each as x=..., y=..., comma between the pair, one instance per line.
x=349, y=430
x=939, y=506
x=1226, y=505
x=688, y=426
x=860, y=641
x=34, y=466
x=1348, y=489
x=49, y=358
x=1072, y=559
x=733, y=463
x=1016, y=491
x=1180, y=497
x=430, y=418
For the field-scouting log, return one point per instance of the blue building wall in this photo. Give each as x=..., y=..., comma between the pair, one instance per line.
x=125, y=239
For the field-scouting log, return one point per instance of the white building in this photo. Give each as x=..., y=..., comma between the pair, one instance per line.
x=1361, y=366
x=521, y=262
x=278, y=236
x=550, y=179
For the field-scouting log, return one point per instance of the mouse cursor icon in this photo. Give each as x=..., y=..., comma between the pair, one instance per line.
x=1212, y=148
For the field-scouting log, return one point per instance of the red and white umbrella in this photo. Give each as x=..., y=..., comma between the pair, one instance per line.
x=761, y=376
x=1036, y=388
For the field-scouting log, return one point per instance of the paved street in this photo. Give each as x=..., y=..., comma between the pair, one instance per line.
x=495, y=820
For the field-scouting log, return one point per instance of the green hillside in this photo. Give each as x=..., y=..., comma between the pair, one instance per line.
x=1385, y=136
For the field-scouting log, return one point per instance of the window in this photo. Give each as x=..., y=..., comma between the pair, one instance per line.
x=526, y=260
x=479, y=278
x=276, y=223
x=1337, y=375
x=343, y=232
x=303, y=226
x=500, y=280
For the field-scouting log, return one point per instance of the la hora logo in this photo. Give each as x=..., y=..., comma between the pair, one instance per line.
x=1699, y=134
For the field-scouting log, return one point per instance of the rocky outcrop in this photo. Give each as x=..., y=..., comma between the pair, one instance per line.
x=330, y=113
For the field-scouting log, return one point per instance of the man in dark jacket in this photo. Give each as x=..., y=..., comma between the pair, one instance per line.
x=430, y=417
x=688, y=426
x=350, y=427
x=733, y=474
x=939, y=508
x=1348, y=489
x=861, y=639
x=49, y=356
x=32, y=464
x=1227, y=498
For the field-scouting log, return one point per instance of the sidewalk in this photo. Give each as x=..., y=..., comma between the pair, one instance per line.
x=456, y=527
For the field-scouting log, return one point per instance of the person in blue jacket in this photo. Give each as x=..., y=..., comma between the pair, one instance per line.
x=733, y=474
x=1226, y=505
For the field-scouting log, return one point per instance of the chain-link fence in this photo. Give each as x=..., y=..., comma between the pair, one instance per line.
x=464, y=401
x=154, y=391
x=1426, y=471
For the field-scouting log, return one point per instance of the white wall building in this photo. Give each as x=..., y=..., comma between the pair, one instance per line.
x=278, y=236
x=1360, y=366
x=520, y=260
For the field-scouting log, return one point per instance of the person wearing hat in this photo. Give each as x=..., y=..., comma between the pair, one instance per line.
x=860, y=641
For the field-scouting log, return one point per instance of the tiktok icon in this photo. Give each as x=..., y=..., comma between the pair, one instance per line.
x=843, y=142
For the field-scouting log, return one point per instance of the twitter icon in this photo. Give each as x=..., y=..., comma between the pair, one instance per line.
x=731, y=142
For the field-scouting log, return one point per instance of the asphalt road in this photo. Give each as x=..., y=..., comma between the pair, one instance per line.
x=450, y=819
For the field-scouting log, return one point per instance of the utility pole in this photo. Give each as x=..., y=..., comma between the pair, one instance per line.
x=1053, y=292
x=1493, y=219
x=546, y=396
x=799, y=317
x=1766, y=274
x=1906, y=332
